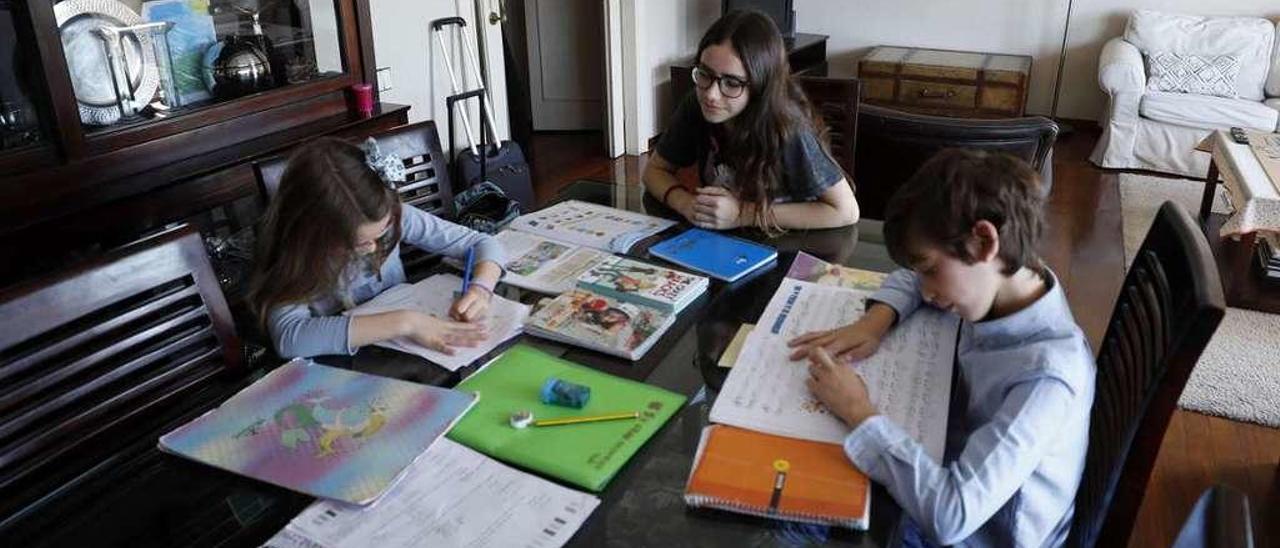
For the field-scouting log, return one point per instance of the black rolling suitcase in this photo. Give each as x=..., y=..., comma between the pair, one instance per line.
x=503, y=163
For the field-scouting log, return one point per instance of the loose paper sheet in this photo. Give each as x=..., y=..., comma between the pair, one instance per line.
x=434, y=296
x=909, y=377
x=451, y=496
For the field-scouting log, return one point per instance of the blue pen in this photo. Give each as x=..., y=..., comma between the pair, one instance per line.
x=466, y=274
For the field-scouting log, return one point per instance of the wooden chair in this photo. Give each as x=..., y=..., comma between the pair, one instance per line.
x=836, y=99
x=893, y=144
x=426, y=186
x=91, y=356
x=1169, y=306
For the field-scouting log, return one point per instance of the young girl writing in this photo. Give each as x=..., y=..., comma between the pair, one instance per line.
x=759, y=145
x=331, y=240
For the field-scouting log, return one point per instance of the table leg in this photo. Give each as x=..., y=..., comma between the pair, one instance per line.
x=1210, y=189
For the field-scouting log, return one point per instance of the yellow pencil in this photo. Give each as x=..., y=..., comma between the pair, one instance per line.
x=578, y=420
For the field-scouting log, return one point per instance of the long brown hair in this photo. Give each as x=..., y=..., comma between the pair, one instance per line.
x=776, y=111
x=309, y=229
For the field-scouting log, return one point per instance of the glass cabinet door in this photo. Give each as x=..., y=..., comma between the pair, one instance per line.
x=136, y=61
x=20, y=123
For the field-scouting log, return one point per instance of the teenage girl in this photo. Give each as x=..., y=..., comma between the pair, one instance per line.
x=760, y=147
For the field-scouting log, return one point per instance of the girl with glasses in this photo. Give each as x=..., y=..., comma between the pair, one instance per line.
x=761, y=149
x=331, y=240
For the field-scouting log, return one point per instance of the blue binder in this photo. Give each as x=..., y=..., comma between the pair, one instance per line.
x=716, y=255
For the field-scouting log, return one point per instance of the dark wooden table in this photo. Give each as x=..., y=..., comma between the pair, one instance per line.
x=1243, y=285
x=157, y=499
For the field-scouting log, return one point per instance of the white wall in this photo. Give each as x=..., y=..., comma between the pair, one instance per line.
x=402, y=40
x=666, y=31
x=1023, y=27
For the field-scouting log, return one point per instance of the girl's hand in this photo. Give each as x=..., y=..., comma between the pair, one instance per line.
x=472, y=305
x=443, y=335
x=716, y=208
x=851, y=342
x=839, y=388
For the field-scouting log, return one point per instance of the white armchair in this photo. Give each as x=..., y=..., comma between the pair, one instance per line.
x=1158, y=130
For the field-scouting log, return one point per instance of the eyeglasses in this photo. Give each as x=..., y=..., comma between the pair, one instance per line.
x=730, y=86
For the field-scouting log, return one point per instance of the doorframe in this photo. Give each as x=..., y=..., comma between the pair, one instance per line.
x=624, y=78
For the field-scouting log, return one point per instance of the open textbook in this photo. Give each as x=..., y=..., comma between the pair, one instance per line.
x=591, y=225
x=543, y=265
x=908, y=378
x=434, y=296
x=451, y=496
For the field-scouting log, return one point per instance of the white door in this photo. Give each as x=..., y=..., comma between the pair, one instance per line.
x=490, y=14
x=566, y=62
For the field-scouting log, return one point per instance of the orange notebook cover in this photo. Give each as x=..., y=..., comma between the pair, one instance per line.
x=782, y=478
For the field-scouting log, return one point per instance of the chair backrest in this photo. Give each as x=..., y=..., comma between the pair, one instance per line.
x=836, y=99
x=893, y=144
x=87, y=354
x=1169, y=306
x=426, y=185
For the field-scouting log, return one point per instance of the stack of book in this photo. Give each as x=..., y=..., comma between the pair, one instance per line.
x=619, y=306
x=1268, y=259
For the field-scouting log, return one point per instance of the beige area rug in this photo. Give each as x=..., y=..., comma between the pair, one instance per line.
x=1238, y=375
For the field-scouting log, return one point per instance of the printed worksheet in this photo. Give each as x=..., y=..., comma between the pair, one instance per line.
x=592, y=225
x=451, y=496
x=434, y=296
x=908, y=378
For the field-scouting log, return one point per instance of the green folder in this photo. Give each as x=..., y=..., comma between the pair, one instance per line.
x=587, y=454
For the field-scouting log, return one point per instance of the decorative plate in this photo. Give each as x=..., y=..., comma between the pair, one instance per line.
x=91, y=74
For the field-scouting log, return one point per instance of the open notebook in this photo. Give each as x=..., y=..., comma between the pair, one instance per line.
x=783, y=478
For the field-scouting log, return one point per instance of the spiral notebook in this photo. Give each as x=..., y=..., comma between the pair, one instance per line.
x=770, y=476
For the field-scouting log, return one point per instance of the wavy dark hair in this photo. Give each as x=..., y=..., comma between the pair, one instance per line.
x=307, y=234
x=777, y=110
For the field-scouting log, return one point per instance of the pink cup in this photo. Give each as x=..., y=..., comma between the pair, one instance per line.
x=362, y=96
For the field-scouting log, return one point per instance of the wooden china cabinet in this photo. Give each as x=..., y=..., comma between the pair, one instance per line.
x=100, y=144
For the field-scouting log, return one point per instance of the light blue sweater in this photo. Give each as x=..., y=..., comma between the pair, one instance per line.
x=317, y=327
x=1021, y=450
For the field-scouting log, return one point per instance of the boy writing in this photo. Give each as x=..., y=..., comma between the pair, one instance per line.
x=966, y=227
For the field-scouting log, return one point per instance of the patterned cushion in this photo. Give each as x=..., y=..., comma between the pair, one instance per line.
x=1190, y=73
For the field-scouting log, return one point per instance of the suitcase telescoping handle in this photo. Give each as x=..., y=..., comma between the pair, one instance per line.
x=437, y=27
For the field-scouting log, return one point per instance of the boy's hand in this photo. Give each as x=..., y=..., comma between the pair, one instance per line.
x=716, y=208
x=472, y=305
x=851, y=342
x=839, y=388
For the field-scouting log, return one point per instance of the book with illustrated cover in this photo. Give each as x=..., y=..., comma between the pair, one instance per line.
x=775, y=477
x=323, y=431
x=600, y=322
x=716, y=255
x=812, y=269
x=546, y=266
x=643, y=283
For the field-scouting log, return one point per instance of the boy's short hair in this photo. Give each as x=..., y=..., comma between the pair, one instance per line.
x=953, y=191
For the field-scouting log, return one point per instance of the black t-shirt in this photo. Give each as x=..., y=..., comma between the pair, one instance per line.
x=807, y=171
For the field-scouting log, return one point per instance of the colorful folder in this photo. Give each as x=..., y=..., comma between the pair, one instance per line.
x=714, y=254
x=587, y=455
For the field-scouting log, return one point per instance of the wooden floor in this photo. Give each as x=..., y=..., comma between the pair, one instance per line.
x=1084, y=247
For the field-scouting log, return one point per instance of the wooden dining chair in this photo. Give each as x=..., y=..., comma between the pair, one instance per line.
x=1168, y=309
x=426, y=186
x=836, y=100
x=893, y=144
x=89, y=357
